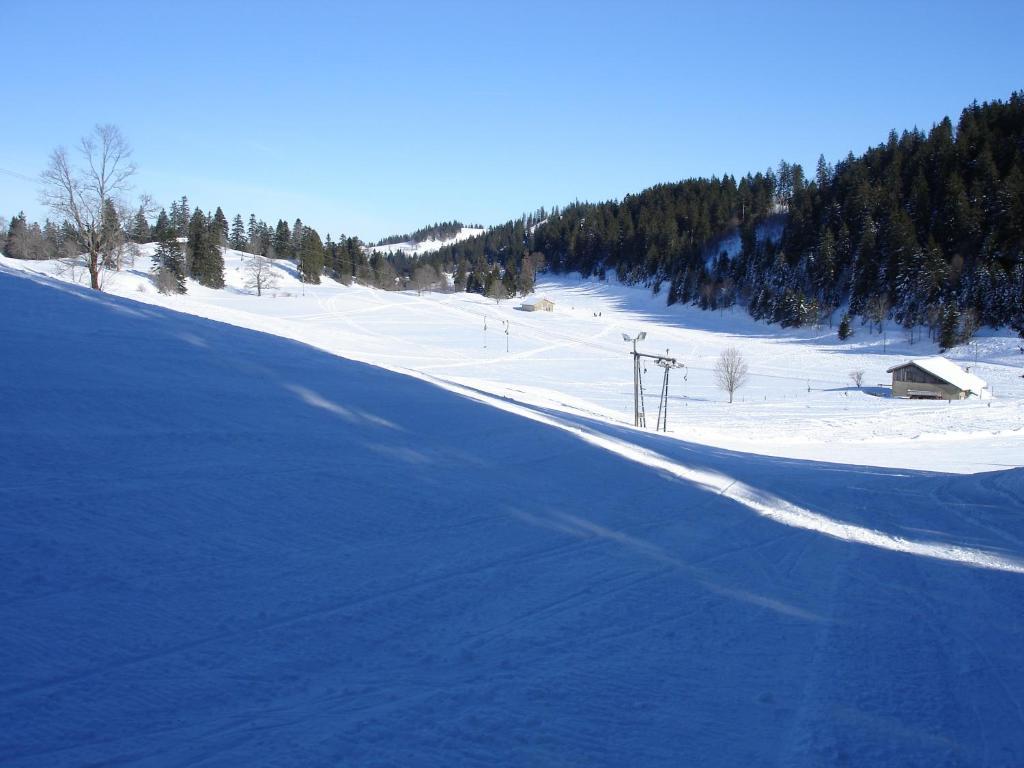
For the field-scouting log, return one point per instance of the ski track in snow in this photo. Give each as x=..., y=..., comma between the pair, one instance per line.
x=758, y=501
x=264, y=554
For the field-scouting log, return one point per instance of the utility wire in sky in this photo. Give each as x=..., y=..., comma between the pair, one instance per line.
x=16, y=175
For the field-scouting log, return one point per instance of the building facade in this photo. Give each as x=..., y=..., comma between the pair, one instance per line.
x=935, y=378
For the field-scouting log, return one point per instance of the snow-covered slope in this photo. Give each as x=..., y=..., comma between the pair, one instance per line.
x=800, y=401
x=414, y=248
x=223, y=548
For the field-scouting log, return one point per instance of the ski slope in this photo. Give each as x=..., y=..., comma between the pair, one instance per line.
x=800, y=401
x=221, y=547
x=422, y=247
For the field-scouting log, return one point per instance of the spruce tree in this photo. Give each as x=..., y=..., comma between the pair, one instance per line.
x=351, y=252
x=237, y=239
x=206, y=263
x=113, y=237
x=141, y=232
x=311, y=255
x=253, y=233
x=509, y=280
x=15, y=236
x=163, y=226
x=330, y=255
x=220, y=228
x=845, y=331
x=184, y=217
x=459, y=279
x=296, y=242
x=53, y=240
x=174, y=217
x=282, y=240
x=169, y=263
x=949, y=330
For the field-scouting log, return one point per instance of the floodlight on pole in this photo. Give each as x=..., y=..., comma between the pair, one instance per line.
x=638, y=419
x=663, y=361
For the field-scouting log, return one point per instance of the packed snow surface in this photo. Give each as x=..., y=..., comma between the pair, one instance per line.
x=221, y=547
x=800, y=400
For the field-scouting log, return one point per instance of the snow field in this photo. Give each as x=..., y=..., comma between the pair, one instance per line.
x=413, y=248
x=800, y=401
x=220, y=547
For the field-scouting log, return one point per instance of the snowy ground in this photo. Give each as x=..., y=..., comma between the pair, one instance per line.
x=222, y=548
x=421, y=247
x=800, y=402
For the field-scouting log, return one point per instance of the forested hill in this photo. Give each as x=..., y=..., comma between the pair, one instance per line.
x=927, y=228
x=444, y=230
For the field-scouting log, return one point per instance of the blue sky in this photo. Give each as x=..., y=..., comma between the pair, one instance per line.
x=377, y=118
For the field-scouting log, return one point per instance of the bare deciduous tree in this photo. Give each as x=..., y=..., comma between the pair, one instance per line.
x=969, y=324
x=877, y=310
x=166, y=282
x=424, y=277
x=259, y=274
x=731, y=371
x=384, y=275
x=497, y=291
x=82, y=194
x=857, y=377
x=531, y=265
x=828, y=306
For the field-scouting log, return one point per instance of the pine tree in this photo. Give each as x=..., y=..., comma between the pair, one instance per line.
x=169, y=263
x=253, y=234
x=351, y=257
x=237, y=239
x=949, y=329
x=113, y=236
x=459, y=278
x=823, y=173
x=282, y=240
x=141, y=232
x=53, y=240
x=845, y=331
x=163, y=226
x=220, y=228
x=206, y=263
x=180, y=217
x=174, y=217
x=509, y=280
x=185, y=213
x=334, y=257
x=15, y=237
x=311, y=255
x=295, y=246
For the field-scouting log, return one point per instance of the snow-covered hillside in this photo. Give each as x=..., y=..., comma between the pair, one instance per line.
x=220, y=547
x=414, y=248
x=800, y=401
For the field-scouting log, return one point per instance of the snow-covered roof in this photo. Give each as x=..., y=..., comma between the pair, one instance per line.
x=539, y=304
x=949, y=372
